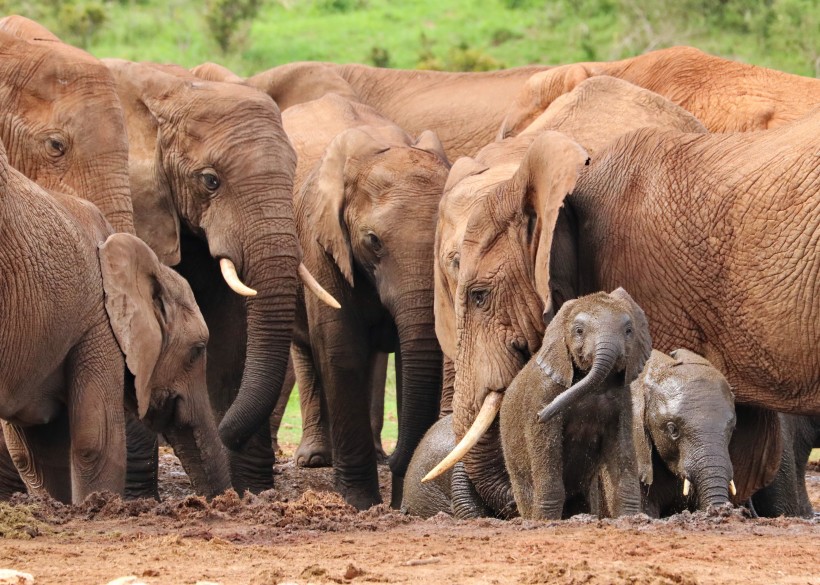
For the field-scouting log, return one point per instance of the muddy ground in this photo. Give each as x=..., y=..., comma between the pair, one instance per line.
x=299, y=533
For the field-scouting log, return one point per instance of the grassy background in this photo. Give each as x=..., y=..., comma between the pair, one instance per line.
x=442, y=34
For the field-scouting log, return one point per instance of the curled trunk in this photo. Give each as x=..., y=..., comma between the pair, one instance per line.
x=711, y=478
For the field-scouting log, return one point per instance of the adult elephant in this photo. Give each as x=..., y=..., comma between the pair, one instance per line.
x=66, y=339
x=366, y=196
x=61, y=119
x=702, y=246
x=463, y=109
x=211, y=175
x=725, y=95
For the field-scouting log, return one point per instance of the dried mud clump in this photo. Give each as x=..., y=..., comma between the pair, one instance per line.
x=582, y=573
x=19, y=521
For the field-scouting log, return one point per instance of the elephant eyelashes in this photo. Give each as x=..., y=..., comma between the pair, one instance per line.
x=197, y=351
x=673, y=431
x=479, y=297
x=55, y=147
x=211, y=181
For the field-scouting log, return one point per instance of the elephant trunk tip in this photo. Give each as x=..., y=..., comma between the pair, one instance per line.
x=231, y=435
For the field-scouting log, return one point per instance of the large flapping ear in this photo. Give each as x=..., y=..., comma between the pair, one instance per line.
x=554, y=357
x=546, y=176
x=134, y=307
x=643, y=340
x=428, y=141
x=147, y=96
x=461, y=169
x=538, y=93
x=26, y=29
x=641, y=391
x=326, y=203
x=756, y=449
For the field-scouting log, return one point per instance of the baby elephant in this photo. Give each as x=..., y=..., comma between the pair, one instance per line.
x=684, y=416
x=580, y=444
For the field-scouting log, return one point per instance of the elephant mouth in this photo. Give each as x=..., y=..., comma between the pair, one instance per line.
x=163, y=410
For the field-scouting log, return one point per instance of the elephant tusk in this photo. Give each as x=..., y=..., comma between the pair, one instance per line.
x=316, y=288
x=732, y=487
x=486, y=416
x=686, y=486
x=232, y=278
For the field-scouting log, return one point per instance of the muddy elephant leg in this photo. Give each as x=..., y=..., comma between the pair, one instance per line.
x=10, y=480
x=620, y=491
x=142, y=470
x=547, y=468
x=282, y=405
x=315, y=447
x=378, y=379
x=41, y=456
x=96, y=415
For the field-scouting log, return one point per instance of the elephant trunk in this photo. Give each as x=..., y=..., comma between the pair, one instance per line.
x=270, y=317
x=711, y=477
x=202, y=456
x=114, y=200
x=607, y=352
x=485, y=466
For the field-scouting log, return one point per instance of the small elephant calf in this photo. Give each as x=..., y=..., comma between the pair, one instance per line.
x=684, y=416
x=580, y=444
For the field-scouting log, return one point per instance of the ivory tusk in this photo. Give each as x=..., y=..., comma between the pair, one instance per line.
x=486, y=416
x=686, y=486
x=316, y=288
x=232, y=278
x=732, y=487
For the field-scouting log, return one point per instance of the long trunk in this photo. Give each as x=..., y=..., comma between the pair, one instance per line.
x=114, y=200
x=420, y=382
x=606, y=353
x=202, y=457
x=271, y=270
x=485, y=467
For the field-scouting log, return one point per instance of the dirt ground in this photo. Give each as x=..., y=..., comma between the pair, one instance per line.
x=299, y=533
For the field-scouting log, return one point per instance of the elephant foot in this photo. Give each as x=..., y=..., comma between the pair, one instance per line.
x=360, y=489
x=313, y=453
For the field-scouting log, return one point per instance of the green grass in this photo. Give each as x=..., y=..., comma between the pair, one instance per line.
x=290, y=432
x=452, y=34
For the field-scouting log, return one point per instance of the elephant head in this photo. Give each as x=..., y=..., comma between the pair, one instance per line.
x=213, y=158
x=685, y=411
x=370, y=204
x=62, y=121
x=160, y=330
x=598, y=335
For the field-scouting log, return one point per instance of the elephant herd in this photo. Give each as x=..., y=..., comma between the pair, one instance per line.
x=598, y=279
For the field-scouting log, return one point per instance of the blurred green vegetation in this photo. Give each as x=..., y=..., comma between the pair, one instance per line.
x=252, y=35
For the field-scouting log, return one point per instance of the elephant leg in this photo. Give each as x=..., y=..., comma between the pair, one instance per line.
x=545, y=448
x=41, y=455
x=378, y=379
x=10, y=480
x=96, y=415
x=620, y=491
x=315, y=447
x=142, y=469
x=282, y=405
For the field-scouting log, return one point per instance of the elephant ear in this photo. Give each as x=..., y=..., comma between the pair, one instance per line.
x=643, y=340
x=554, y=357
x=545, y=177
x=428, y=141
x=325, y=203
x=461, y=169
x=135, y=306
x=641, y=390
x=146, y=95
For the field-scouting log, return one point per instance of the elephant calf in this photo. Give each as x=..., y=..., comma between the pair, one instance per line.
x=581, y=442
x=684, y=416
x=452, y=492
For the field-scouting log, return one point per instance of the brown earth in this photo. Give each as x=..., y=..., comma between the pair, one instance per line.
x=299, y=533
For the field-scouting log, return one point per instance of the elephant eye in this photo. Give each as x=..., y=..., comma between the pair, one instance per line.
x=55, y=147
x=197, y=351
x=479, y=297
x=210, y=180
x=579, y=331
x=629, y=331
x=375, y=242
x=673, y=431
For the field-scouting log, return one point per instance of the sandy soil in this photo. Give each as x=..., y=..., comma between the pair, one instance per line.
x=298, y=533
